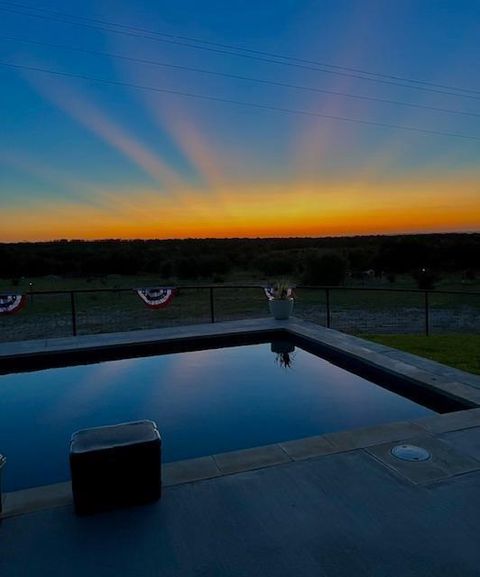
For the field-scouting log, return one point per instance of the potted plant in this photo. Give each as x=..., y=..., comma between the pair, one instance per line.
x=280, y=300
x=284, y=353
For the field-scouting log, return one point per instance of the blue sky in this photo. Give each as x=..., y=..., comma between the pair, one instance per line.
x=115, y=154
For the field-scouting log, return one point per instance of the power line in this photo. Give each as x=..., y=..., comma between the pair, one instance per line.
x=240, y=77
x=241, y=52
x=241, y=103
x=238, y=48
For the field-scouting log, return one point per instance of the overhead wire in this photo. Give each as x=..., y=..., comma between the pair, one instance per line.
x=239, y=48
x=242, y=103
x=220, y=48
x=240, y=77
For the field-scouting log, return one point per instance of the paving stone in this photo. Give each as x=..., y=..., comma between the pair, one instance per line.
x=429, y=365
x=248, y=459
x=469, y=379
x=189, y=470
x=132, y=337
x=466, y=441
x=444, y=462
x=365, y=437
x=459, y=390
x=37, y=499
x=308, y=448
x=450, y=421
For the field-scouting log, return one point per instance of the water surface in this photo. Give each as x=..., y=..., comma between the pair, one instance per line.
x=203, y=402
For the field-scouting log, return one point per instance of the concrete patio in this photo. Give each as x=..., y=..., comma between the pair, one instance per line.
x=340, y=514
x=335, y=505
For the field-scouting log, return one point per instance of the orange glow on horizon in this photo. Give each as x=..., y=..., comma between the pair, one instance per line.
x=334, y=208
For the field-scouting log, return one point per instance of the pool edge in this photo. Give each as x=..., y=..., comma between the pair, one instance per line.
x=364, y=352
x=176, y=473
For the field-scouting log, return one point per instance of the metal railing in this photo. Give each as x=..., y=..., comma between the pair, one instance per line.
x=355, y=310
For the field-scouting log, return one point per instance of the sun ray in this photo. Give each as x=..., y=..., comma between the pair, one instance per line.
x=64, y=183
x=89, y=114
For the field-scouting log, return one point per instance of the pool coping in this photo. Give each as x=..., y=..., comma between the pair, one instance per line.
x=453, y=383
x=370, y=439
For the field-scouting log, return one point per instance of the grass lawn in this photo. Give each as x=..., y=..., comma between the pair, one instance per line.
x=456, y=350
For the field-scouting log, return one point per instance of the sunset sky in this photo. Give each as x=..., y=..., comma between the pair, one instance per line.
x=239, y=118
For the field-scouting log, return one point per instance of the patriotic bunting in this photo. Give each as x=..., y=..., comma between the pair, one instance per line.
x=10, y=304
x=272, y=293
x=157, y=297
x=269, y=293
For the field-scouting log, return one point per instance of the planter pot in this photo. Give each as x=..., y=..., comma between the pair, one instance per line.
x=281, y=309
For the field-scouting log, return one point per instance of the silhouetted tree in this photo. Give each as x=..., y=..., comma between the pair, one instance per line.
x=425, y=278
x=326, y=269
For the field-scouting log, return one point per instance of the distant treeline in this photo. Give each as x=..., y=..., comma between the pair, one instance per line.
x=310, y=260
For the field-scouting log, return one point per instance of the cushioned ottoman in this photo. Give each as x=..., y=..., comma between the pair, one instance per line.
x=115, y=466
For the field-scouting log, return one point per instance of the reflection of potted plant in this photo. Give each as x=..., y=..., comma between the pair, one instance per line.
x=283, y=353
x=280, y=300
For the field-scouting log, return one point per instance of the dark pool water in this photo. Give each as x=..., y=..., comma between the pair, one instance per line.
x=203, y=402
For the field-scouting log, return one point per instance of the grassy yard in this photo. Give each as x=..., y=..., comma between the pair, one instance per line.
x=456, y=350
x=356, y=311
x=52, y=282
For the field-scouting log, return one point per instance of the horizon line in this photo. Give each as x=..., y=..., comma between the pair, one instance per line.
x=157, y=239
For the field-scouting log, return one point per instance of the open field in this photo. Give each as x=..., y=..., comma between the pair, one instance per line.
x=355, y=311
x=52, y=282
x=461, y=351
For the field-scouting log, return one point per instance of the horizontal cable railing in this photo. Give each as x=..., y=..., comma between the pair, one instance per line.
x=355, y=310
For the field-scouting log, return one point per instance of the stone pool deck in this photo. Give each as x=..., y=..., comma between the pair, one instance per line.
x=337, y=505
x=343, y=514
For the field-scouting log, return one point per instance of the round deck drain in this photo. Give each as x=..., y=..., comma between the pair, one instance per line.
x=410, y=453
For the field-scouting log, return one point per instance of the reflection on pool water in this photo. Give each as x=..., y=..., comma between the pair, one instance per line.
x=204, y=402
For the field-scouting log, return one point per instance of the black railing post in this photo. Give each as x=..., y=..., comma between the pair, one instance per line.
x=327, y=300
x=212, y=306
x=74, y=313
x=427, y=315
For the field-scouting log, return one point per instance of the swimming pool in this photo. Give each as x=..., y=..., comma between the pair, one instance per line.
x=204, y=402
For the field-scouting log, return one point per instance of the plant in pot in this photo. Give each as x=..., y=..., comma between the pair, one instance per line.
x=280, y=300
x=284, y=353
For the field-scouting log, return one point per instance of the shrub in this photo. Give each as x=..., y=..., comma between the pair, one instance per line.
x=326, y=269
x=425, y=278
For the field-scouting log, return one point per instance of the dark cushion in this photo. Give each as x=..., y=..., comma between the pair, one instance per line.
x=112, y=436
x=115, y=466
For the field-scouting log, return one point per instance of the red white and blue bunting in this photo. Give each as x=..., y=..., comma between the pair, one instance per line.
x=271, y=293
x=156, y=298
x=10, y=304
